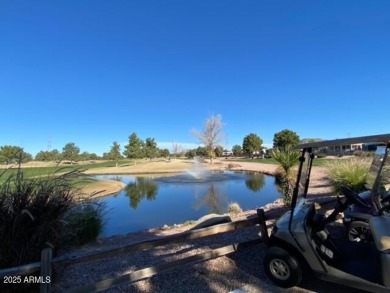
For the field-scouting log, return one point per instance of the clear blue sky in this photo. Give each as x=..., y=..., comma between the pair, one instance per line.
x=93, y=72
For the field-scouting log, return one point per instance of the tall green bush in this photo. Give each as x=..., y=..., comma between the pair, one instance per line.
x=351, y=172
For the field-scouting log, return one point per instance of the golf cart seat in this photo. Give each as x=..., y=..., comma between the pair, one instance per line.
x=380, y=229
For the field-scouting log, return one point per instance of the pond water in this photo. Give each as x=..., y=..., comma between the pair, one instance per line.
x=148, y=202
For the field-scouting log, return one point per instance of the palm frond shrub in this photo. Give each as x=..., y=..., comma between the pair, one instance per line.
x=352, y=173
x=287, y=159
x=280, y=174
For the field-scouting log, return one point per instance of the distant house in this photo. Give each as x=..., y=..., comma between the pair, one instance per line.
x=227, y=154
x=371, y=146
x=259, y=154
x=350, y=148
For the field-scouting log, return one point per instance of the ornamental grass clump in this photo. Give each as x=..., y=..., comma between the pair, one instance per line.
x=36, y=213
x=31, y=211
x=84, y=223
x=352, y=173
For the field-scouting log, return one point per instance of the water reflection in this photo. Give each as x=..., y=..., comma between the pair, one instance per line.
x=116, y=178
x=145, y=188
x=255, y=182
x=140, y=189
x=181, y=198
x=215, y=202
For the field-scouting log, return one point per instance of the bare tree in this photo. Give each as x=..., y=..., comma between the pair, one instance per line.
x=176, y=148
x=211, y=134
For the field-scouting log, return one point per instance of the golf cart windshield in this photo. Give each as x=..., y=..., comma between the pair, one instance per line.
x=378, y=180
x=376, y=165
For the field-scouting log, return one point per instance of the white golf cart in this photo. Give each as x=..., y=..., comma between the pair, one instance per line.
x=301, y=239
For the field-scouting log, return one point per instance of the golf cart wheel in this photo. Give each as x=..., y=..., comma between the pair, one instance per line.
x=359, y=231
x=282, y=268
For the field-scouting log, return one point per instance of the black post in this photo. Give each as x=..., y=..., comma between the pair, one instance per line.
x=263, y=226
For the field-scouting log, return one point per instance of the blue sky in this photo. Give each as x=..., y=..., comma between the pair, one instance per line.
x=93, y=72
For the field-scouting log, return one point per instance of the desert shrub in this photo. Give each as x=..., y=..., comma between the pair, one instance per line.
x=31, y=212
x=234, y=208
x=189, y=223
x=352, y=173
x=84, y=222
x=363, y=154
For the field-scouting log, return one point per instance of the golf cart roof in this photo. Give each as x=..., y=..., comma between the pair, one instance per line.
x=380, y=138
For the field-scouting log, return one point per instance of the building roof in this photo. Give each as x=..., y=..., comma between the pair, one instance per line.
x=380, y=138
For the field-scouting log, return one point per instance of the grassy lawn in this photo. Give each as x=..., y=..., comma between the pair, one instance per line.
x=316, y=162
x=44, y=171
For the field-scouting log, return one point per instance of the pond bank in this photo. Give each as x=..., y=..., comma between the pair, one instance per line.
x=104, y=188
x=101, y=188
x=319, y=179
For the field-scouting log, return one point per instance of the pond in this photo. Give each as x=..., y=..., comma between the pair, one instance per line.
x=148, y=202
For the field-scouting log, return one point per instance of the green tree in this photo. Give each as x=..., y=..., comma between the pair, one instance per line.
x=252, y=143
x=42, y=156
x=211, y=134
x=151, y=149
x=134, y=149
x=9, y=153
x=218, y=151
x=284, y=138
x=15, y=154
x=237, y=150
x=85, y=156
x=25, y=157
x=93, y=156
x=53, y=155
x=71, y=152
x=190, y=154
x=201, y=151
x=115, y=152
x=286, y=158
x=164, y=153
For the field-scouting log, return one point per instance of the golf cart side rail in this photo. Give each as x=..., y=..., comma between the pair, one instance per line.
x=380, y=138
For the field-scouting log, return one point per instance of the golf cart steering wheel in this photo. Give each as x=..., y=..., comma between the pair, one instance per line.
x=353, y=196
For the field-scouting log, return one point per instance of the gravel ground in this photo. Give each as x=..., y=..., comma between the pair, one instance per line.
x=239, y=270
